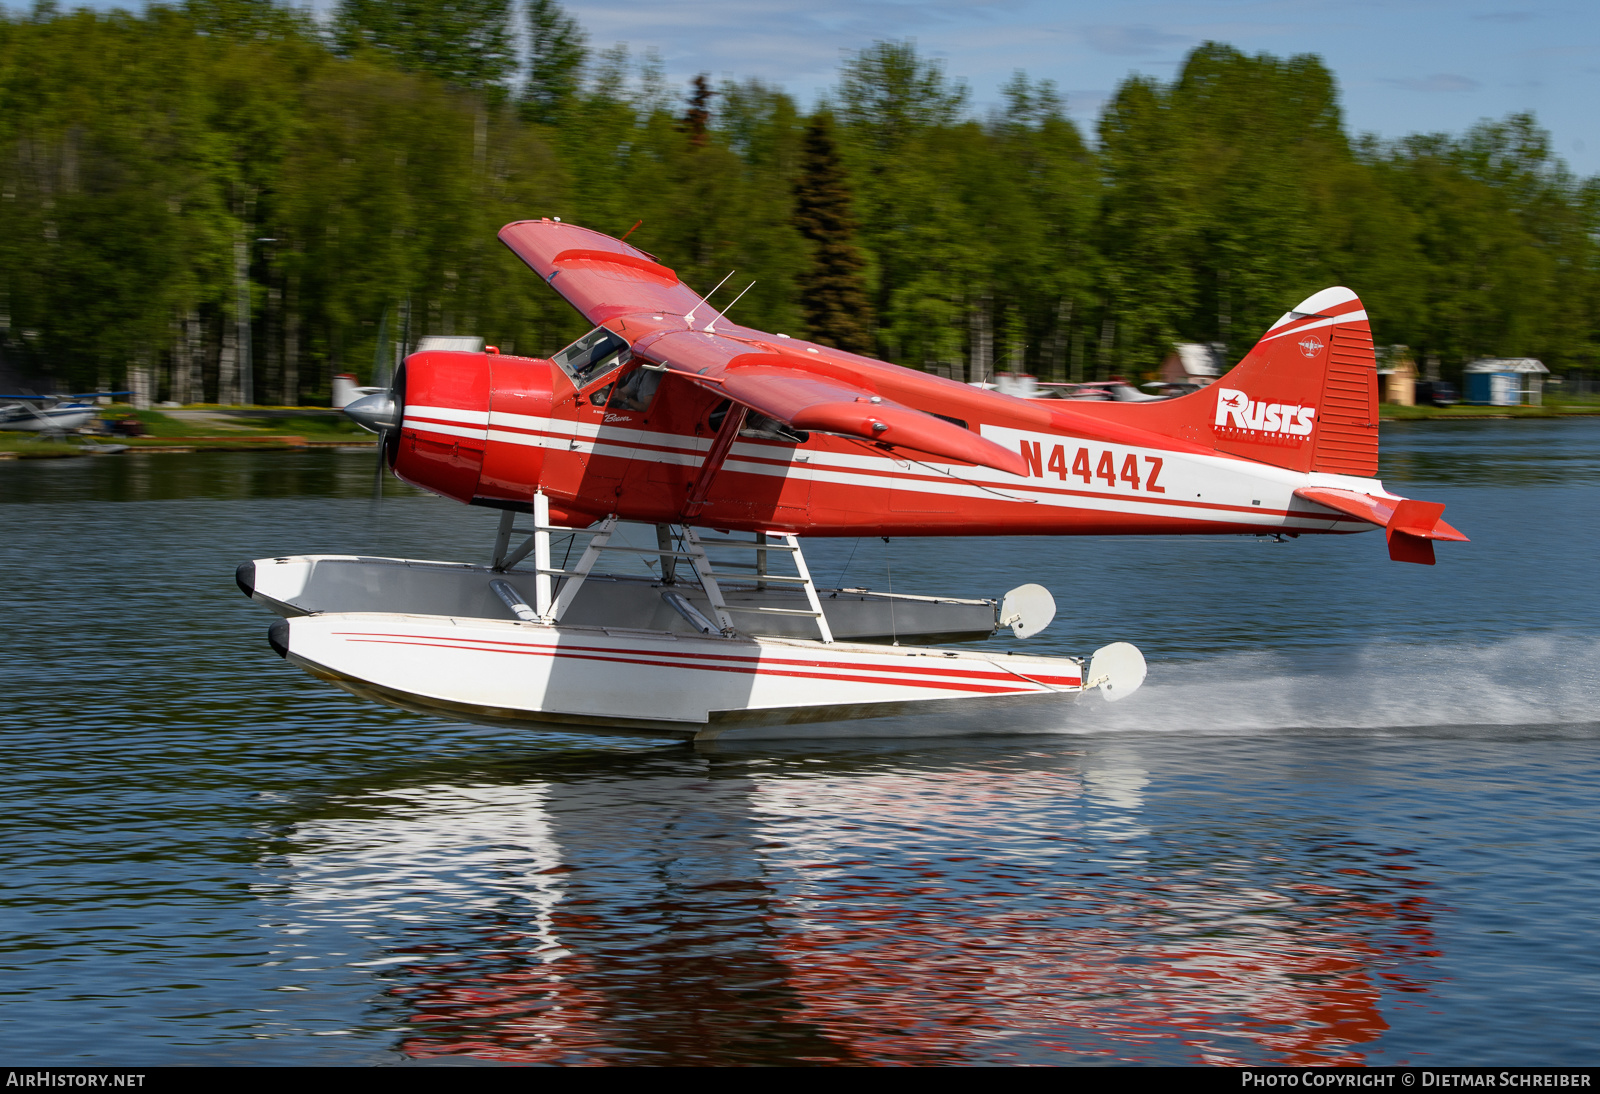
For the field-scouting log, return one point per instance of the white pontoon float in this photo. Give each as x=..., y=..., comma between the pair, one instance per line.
x=694, y=652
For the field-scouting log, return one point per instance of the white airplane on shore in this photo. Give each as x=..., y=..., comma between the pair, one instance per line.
x=53, y=414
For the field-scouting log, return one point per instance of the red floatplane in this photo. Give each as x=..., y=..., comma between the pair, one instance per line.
x=667, y=414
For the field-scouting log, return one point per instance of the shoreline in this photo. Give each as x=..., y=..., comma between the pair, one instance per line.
x=49, y=450
x=200, y=427
x=1388, y=414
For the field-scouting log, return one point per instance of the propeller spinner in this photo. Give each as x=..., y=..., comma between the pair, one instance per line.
x=375, y=413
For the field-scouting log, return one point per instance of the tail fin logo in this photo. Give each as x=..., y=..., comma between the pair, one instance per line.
x=1310, y=346
x=1237, y=411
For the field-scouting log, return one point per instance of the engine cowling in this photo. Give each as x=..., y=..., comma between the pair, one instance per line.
x=470, y=425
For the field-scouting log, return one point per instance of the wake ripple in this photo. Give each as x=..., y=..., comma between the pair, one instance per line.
x=1524, y=681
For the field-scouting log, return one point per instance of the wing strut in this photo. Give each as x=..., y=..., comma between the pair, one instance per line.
x=732, y=422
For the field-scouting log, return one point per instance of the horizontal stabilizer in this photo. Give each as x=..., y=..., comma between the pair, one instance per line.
x=1412, y=526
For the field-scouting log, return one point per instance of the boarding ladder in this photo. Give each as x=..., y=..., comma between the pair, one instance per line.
x=550, y=607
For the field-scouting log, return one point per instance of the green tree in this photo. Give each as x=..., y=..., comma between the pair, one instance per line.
x=1211, y=225
x=1047, y=268
x=832, y=293
x=888, y=93
x=249, y=20
x=557, y=53
x=892, y=106
x=1506, y=251
x=466, y=43
x=709, y=209
x=141, y=156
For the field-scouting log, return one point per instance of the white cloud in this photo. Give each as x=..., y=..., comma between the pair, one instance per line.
x=1443, y=81
x=1132, y=40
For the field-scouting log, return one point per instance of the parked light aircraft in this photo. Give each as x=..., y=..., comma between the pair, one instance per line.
x=58, y=414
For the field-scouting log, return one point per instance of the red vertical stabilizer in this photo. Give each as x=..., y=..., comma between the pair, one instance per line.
x=1306, y=397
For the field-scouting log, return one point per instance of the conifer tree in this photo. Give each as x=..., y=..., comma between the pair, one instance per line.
x=832, y=294
x=698, y=117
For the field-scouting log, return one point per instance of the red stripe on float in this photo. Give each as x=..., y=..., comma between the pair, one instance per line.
x=480, y=643
x=757, y=670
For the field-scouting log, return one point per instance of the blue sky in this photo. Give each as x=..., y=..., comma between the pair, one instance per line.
x=1403, y=65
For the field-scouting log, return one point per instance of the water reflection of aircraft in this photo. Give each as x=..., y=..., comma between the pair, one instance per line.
x=673, y=908
x=50, y=415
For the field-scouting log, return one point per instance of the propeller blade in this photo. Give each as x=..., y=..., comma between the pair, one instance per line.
x=379, y=413
x=377, y=473
x=375, y=413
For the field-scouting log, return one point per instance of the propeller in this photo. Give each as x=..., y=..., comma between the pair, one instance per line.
x=377, y=413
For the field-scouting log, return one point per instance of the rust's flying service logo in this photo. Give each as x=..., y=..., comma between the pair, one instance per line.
x=1310, y=345
x=1236, y=410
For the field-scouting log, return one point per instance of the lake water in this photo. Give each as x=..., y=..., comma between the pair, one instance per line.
x=1350, y=818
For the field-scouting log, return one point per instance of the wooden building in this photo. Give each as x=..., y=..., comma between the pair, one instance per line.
x=1397, y=375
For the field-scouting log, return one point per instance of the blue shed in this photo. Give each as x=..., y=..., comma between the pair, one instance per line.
x=1505, y=381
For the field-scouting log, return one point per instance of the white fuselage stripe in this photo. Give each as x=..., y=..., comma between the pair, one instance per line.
x=445, y=430
x=916, y=476
x=449, y=414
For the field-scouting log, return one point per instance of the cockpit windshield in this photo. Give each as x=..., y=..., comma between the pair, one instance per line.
x=596, y=354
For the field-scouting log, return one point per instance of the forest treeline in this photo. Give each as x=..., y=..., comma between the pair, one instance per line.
x=187, y=186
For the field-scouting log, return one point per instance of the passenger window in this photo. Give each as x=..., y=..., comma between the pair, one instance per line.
x=758, y=426
x=761, y=427
x=599, y=396
x=636, y=391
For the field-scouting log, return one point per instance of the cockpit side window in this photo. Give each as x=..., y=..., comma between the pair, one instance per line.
x=636, y=390
x=592, y=357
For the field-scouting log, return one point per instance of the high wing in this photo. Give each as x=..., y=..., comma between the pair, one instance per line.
x=808, y=386
x=603, y=278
